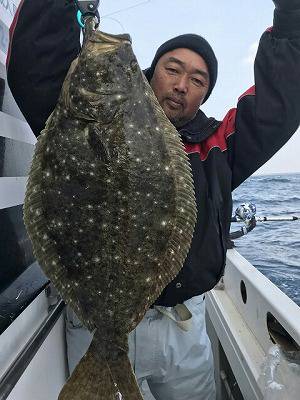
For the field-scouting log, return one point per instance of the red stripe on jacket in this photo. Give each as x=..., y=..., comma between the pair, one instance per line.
x=249, y=92
x=219, y=137
x=11, y=32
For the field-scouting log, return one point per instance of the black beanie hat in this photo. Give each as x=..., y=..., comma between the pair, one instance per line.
x=193, y=42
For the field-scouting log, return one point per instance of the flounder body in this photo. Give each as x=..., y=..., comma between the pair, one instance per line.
x=109, y=207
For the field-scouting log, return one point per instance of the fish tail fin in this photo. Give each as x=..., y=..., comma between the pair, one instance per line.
x=100, y=379
x=124, y=378
x=91, y=380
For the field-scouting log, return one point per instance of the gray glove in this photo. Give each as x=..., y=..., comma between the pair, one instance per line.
x=287, y=5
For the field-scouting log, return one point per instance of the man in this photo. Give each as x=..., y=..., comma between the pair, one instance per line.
x=173, y=352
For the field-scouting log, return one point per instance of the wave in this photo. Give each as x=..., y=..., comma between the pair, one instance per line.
x=266, y=200
x=277, y=180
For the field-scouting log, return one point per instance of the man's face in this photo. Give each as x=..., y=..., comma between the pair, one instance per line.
x=180, y=83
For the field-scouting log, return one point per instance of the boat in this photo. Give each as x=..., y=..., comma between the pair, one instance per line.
x=254, y=328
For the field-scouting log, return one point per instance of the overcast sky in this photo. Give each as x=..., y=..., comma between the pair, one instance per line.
x=233, y=28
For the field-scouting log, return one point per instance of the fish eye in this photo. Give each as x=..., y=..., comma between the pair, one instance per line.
x=134, y=65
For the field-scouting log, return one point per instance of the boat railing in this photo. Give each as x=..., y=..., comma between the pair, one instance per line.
x=23, y=359
x=247, y=316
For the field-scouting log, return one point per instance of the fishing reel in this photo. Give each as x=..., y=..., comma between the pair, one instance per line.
x=87, y=8
x=244, y=213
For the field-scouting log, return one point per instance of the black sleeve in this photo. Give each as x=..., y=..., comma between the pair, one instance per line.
x=268, y=115
x=44, y=39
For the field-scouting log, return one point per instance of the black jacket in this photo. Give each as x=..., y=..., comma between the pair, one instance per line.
x=44, y=41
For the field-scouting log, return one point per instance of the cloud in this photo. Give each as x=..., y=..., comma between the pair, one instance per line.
x=249, y=59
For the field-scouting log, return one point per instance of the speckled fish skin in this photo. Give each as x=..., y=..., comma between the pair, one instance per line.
x=109, y=207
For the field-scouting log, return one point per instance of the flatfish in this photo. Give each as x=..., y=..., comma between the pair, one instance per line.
x=109, y=207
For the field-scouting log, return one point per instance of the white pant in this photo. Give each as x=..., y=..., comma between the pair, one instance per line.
x=176, y=364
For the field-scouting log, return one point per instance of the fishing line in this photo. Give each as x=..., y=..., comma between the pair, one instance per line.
x=127, y=8
x=116, y=20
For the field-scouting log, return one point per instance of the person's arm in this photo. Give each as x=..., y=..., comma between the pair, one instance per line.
x=44, y=39
x=268, y=114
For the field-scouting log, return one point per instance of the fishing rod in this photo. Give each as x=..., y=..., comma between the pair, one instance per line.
x=263, y=219
x=246, y=213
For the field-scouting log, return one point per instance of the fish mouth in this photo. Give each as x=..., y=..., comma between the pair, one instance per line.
x=108, y=38
x=106, y=42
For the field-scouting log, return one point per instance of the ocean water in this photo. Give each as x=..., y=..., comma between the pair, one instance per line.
x=273, y=247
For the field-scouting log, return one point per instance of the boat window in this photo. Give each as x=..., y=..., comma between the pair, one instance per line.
x=243, y=291
x=280, y=336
